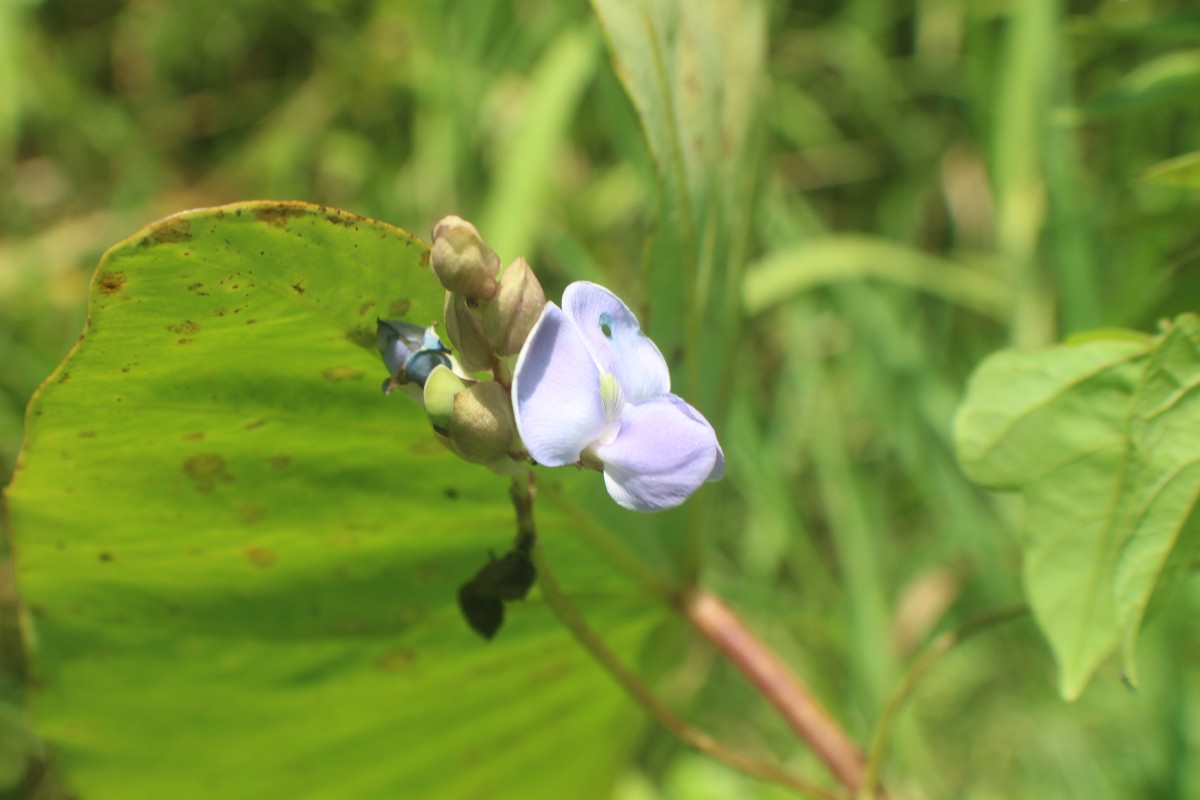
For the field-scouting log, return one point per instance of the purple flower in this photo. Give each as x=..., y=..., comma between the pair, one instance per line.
x=590, y=388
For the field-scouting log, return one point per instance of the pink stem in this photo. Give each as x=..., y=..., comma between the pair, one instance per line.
x=782, y=689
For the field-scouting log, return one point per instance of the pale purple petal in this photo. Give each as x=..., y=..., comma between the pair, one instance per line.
x=616, y=341
x=662, y=454
x=718, y=469
x=556, y=391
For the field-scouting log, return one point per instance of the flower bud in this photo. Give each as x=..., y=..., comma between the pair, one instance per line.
x=461, y=260
x=409, y=352
x=441, y=387
x=511, y=314
x=465, y=330
x=481, y=426
x=396, y=341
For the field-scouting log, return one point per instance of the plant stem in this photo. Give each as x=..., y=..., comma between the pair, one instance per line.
x=939, y=647
x=693, y=737
x=522, y=493
x=791, y=698
x=585, y=527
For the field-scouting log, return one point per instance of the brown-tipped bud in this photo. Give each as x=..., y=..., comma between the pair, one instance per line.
x=461, y=260
x=481, y=427
x=465, y=329
x=511, y=314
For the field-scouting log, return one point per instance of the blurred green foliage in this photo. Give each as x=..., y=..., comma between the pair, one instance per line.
x=1002, y=141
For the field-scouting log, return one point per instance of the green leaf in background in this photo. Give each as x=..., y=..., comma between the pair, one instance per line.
x=692, y=71
x=240, y=560
x=1181, y=171
x=1100, y=439
x=829, y=260
x=1165, y=431
x=1163, y=79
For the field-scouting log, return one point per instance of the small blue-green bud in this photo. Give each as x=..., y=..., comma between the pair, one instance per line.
x=409, y=352
x=397, y=341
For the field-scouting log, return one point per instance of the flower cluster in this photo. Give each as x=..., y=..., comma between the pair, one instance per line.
x=588, y=387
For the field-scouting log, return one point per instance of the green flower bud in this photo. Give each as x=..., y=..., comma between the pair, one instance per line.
x=461, y=260
x=465, y=329
x=481, y=428
x=511, y=314
x=441, y=387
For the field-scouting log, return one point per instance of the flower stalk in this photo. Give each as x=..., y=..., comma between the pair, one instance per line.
x=791, y=698
x=591, y=641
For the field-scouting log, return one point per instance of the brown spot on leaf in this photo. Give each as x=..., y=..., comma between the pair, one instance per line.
x=250, y=514
x=207, y=470
x=399, y=307
x=198, y=436
x=171, y=231
x=184, y=341
x=427, y=573
x=66, y=376
x=281, y=462
x=106, y=556
x=260, y=556
x=365, y=307
x=278, y=215
x=111, y=282
x=342, y=374
x=185, y=328
x=298, y=287
x=194, y=286
x=346, y=218
x=254, y=423
x=396, y=659
x=363, y=337
x=424, y=259
x=87, y=434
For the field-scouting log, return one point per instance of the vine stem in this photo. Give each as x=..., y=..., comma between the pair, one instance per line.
x=782, y=688
x=573, y=621
x=920, y=665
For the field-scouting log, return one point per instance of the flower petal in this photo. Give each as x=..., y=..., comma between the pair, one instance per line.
x=616, y=341
x=662, y=454
x=718, y=470
x=556, y=391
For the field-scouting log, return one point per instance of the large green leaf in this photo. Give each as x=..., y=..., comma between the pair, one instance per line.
x=240, y=559
x=693, y=72
x=1101, y=438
